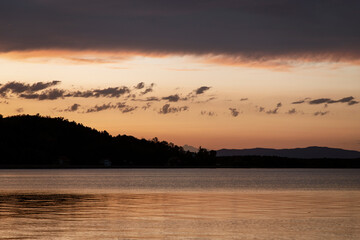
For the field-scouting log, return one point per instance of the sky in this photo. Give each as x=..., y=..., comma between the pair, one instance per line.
x=216, y=74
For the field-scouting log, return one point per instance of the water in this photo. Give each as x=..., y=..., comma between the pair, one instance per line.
x=117, y=204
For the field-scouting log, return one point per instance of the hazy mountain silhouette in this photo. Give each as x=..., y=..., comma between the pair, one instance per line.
x=302, y=153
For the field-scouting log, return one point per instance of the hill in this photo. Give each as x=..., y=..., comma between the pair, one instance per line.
x=299, y=153
x=35, y=141
x=43, y=142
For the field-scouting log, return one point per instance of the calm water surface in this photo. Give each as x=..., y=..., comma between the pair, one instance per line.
x=180, y=204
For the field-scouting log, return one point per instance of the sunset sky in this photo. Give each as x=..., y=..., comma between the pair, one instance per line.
x=216, y=74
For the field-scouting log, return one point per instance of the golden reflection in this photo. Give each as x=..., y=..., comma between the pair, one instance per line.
x=182, y=215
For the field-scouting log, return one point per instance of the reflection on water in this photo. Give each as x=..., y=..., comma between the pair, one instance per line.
x=152, y=213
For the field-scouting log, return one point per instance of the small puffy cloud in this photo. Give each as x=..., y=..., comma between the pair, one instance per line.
x=19, y=110
x=201, y=90
x=73, y=108
x=261, y=109
x=168, y=109
x=172, y=98
x=244, y=99
x=279, y=105
x=140, y=85
x=234, y=112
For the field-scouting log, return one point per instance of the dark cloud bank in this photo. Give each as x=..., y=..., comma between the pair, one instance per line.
x=250, y=28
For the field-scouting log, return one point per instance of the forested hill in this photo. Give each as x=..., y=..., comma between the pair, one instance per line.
x=36, y=141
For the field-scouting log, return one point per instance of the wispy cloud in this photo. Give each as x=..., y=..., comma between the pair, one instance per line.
x=274, y=111
x=123, y=107
x=292, y=111
x=319, y=113
x=208, y=113
x=19, y=110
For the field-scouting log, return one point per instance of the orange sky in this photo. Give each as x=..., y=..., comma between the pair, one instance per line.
x=243, y=105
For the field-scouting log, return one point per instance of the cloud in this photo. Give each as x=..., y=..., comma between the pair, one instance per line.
x=208, y=113
x=19, y=110
x=292, y=111
x=182, y=26
x=350, y=100
x=300, y=101
x=100, y=108
x=320, y=101
x=73, y=108
x=201, y=90
x=172, y=98
x=51, y=94
x=125, y=108
x=244, y=99
x=274, y=111
x=140, y=85
x=353, y=102
x=261, y=109
x=148, y=89
x=18, y=87
x=319, y=113
x=146, y=106
x=111, y=92
x=121, y=106
x=167, y=109
x=205, y=101
x=278, y=105
x=43, y=91
x=234, y=112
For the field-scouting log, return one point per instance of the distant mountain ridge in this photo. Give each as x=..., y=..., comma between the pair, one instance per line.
x=301, y=153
